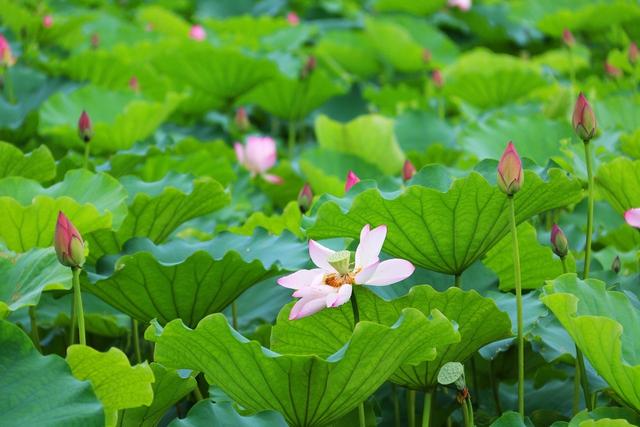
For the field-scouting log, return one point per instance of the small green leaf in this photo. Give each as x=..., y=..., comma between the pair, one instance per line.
x=207, y=414
x=289, y=220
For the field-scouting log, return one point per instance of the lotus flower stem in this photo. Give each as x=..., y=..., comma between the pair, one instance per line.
x=356, y=319
x=587, y=249
x=87, y=148
x=396, y=405
x=426, y=412
x=8, y=88
x=495, y=387
x=136, y=340
x=72, y=327
x=458, y=280
x=518, y=285
x=197, y=393
x=234, y=315
x=292, y=138
x=35, y=336
x=411, y=408
x=77, y=302
x=467, y=412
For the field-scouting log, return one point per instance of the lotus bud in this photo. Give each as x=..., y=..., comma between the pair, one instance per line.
x=584, y=119
x=559, y=243
x=6, y=56
x=242, y=120
x=616, y=265
x=567, y=38
x=408, y=170
x=632, y=216
x=134, y=84
x=197, y=33
x=305, y=198
x=47, y=21
x=612, y=70
x=308, y=67
x=426, y=55
x=293, y=19
x=634, y=53
x=68, y=243
x=436, y=78
x=95, y=40
x=85, y=131
x=510, y=174
x=340, y=260
x=352, y=179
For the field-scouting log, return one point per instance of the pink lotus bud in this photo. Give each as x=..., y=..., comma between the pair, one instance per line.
x=242, y=120
x=305, y=198
x=634, y=53
x=463, y=5
x=426, y=55
x=436, y=78
x=47, y=21
x=632, y=216
x=584, y=119
x=293, y=19
x=197, y=32
x=134, y=84
x=95, y=40
x=408, y=170
x=616, y=265
x=510, y=175
x=85, y=131
x=567, y=38
x=612, y=70
x=6, y=56
x=68, y=243
x=352, y=179
x=559, y=243
x=308, y=67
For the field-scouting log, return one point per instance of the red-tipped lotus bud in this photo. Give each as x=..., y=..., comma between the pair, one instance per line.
x=352, y=179
x=634, y=53
x=47, y=21
x=408, y=170
x=305, y=198
x=308, y=67
x=134, y=84
x=293, y=19
x=559, y=243
x=436, y=78
x=584, y=119
x=567, y=38
x=6, y=56
x=85, y=131
x=616, y=265
x=426, y=55
x=68, y=243
x=612, y=70
x=510, y=174
x=242, y=120
x=95, y=40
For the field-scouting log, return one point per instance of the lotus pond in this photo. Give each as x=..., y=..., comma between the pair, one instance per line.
x=319, y=213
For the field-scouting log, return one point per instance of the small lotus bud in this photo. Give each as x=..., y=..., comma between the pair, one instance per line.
x=47, y=21
x=584, y=119
x=634, y=53
x=134, y=84
x=197, y=33
x=308, y=67
x=6, y=56
x=510, y=174
x=352, y=179
x=68, y=243
x=612, y=70
x=567, y=38
x=85, y=131
x=426, y=55
x=559, y=243
x=305, y=198
x=616, y=265
x=95, y=40
x=436, y=78
x=340, y=261
x=293, y=19
x=408, y=170
x=242, y=120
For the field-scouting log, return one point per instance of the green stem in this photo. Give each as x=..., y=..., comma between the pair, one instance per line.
x=8, y=87
x=35, y=336
x=86, y=155
x=572, y=73
x=565, y=267
x=411, y=408
x=584, y=380
x=292, y=138
x=576, y=385
x=426, y=412
x=361, y=416
x=356, y=319
x=72, y=327
x=396, y=405
x=136, y=339
x=77, y=301
x=495, y=388
x=518, y=284
x=457, y=280
x=587, y=249
x=441, y=107
x=197, y=393
x=470, y=412
x=474, y=378
x=465, y=413
x=234, y=315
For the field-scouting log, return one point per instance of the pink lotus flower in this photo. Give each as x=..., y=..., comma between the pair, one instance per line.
x=6, y=56
x=197, y=32
x=352, y=179
x=68, y=243
x=510, y=175
x=408, y=170
x=559, y=243
x=632, y=216
x=634, y=53
x=85, y=131
x=258, y=156
x=437, y=79
x=463, y=5
x=584, y=119
x=293, y=19
x=612, y=70
x=47, y=21
x=331, y=283
x=567, y=37
x=134, y=84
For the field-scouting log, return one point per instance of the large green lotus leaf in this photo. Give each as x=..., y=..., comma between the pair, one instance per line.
x=563, y=60
x=24, y=278
x=292, y=98
x=370, y=137
x=409, y=6
x=486, y=80
x=220, y=414
x=614, y=113
x=40, y=390
x=478, y=320
x=619, y=182
x=37, y=165
x=395, y=44
x=119, y=119
x=168, y=389
x=585, y=15
x=602, y=417
x=245, y=30
x=352, y=51
x=391, y=100
x=117, y=384
x=289, y=220
x=163, y=21
x=537, y=261
x=306, y=390
x=443, y=231
x=155, y=216
x=605, y=325
x=535, y=136
x=188, y=281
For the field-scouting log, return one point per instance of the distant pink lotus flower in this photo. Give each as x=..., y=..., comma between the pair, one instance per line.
x=632, y=216
x=47, y=21
x=634, y=53
x=68, y=243
x=258, y=156
x=331, y=284
x=6, y=56
x=197, y=32
x=510, y=175
x=352, y=179
x=408, y=170
x=612, y=70
x=463, y=5
x=567, y=37
x=437, y=79
x=293, y=19
x=242, y=120
x=134, y=84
